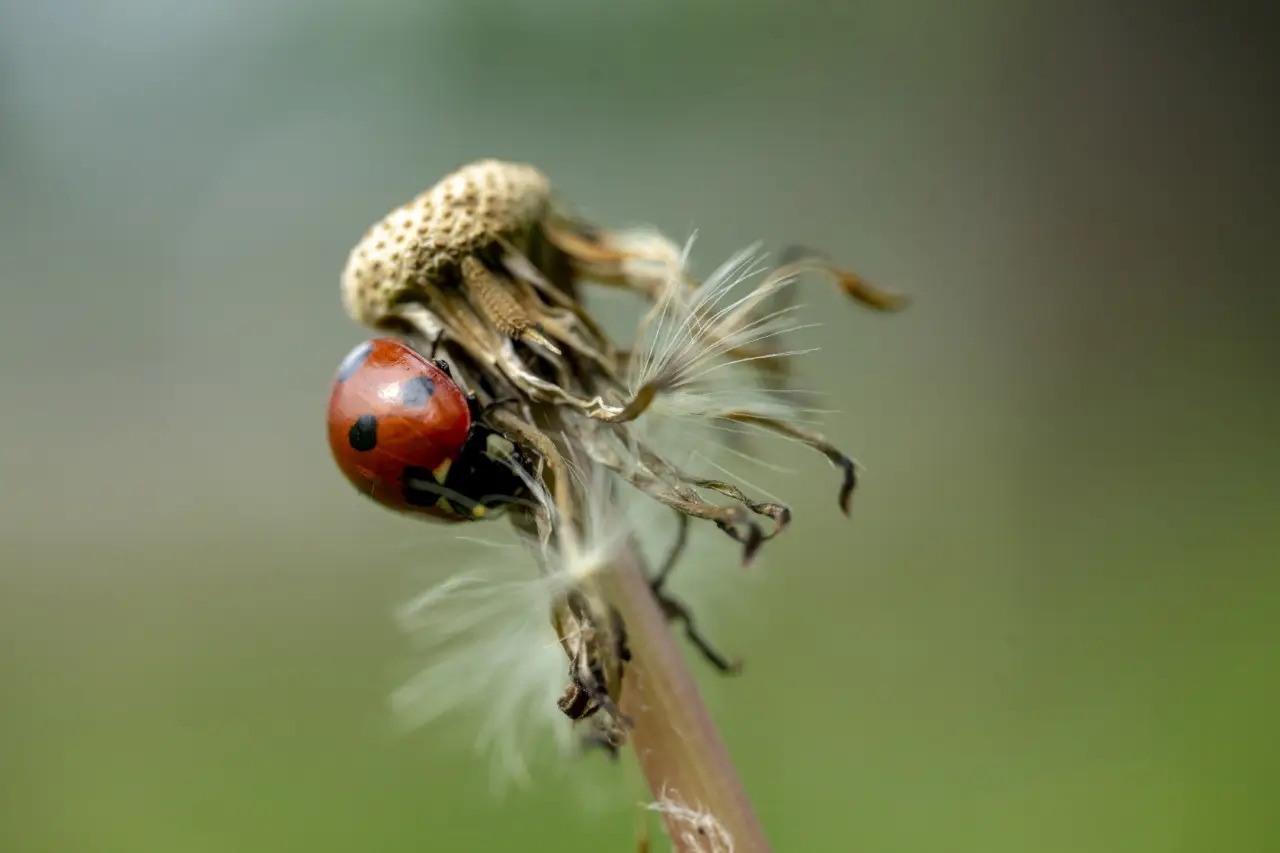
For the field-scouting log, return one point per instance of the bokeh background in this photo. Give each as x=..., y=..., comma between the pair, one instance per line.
x=1052, y=624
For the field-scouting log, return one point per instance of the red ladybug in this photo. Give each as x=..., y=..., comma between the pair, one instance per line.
x=406, y=435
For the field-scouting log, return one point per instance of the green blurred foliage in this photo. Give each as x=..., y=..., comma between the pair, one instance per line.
x=1051, y=625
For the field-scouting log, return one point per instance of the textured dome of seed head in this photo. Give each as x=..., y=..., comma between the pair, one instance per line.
x=425, y=239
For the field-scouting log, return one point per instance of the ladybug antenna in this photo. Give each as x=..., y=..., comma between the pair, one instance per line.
x=435, y=347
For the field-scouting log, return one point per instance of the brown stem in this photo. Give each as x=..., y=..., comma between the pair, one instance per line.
x=677, y=744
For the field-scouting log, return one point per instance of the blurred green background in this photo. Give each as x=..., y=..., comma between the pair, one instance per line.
x=1051, y=625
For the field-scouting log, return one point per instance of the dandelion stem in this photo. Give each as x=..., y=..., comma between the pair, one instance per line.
x=675, y=740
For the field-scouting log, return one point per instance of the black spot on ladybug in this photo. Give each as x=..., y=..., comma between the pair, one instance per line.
x=354, y=360
x=416, y=392
x=363, y=434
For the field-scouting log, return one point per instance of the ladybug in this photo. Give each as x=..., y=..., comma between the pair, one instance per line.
x=405, y=434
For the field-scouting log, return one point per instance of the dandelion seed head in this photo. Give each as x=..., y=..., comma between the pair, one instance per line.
x=696, y=340
x=701, y=349
x=485, y=267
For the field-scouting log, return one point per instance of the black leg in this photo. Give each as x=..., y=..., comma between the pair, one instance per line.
x=673, y=556
x=677, y=611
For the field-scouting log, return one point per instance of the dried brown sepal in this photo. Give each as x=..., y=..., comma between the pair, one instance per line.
x=834, y=455
x=497, y=304
x=851, y=284
x=780, y=513
x=523, y=269
x=595, y=255
x=545, y=390
x=585, y=244
x=735, y=521
x=478, y=339
x=563, y=325
x=594, y=638
x=776, y=512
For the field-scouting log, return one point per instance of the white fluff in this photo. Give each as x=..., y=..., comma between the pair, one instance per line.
x=491, y=657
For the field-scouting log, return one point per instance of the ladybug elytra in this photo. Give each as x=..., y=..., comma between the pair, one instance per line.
x=404, y=433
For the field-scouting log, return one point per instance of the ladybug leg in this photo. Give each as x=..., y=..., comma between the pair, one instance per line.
x=677, y=611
